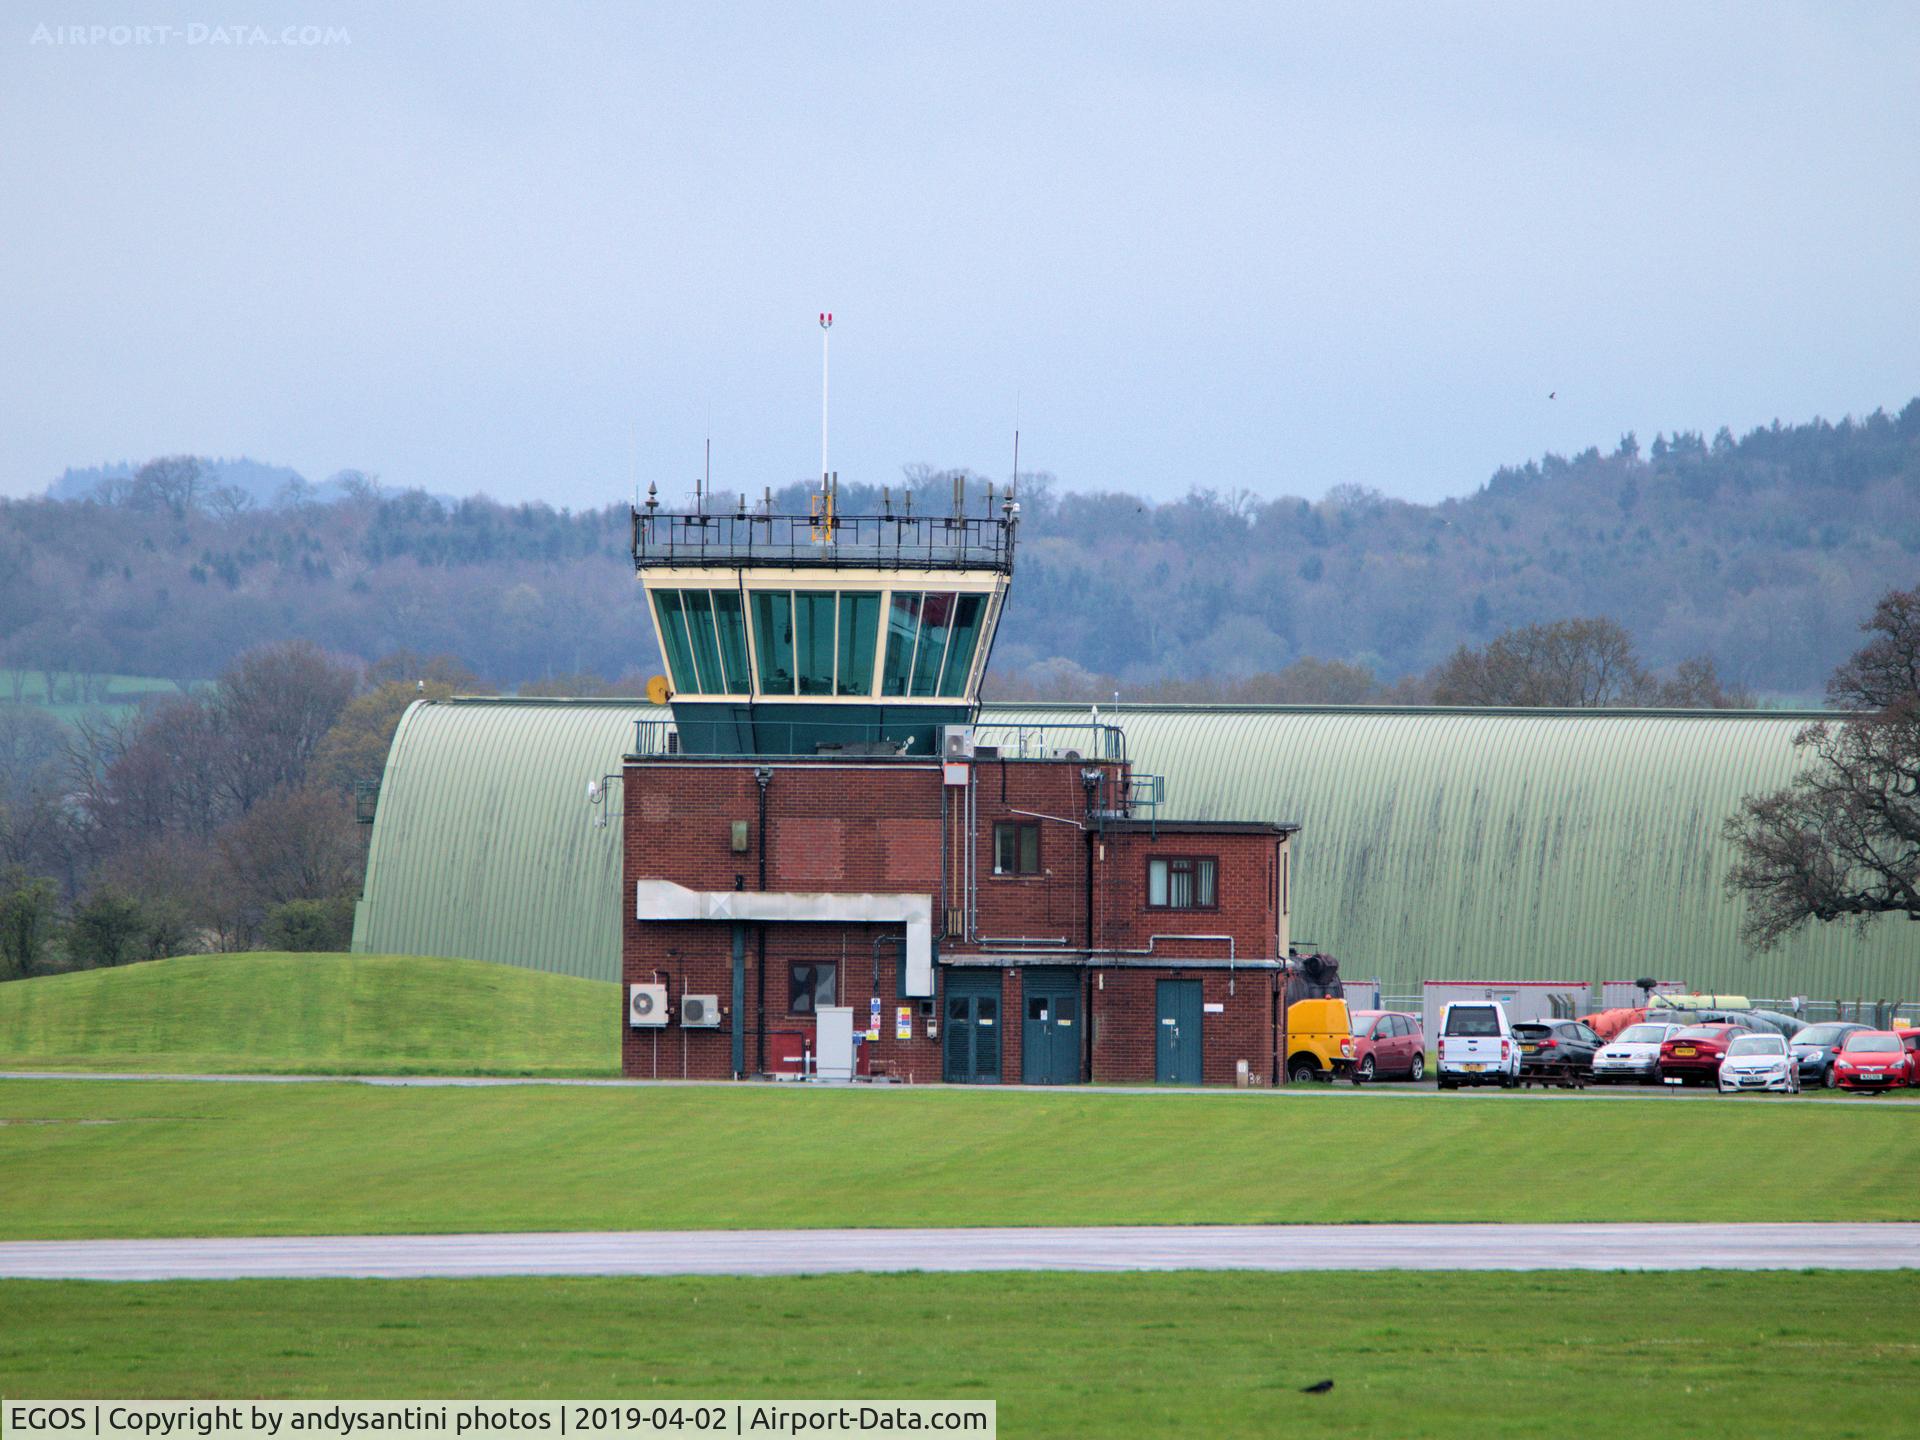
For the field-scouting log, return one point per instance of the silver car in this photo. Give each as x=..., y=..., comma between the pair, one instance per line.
x=1633, y=1054
x=1759, y=1062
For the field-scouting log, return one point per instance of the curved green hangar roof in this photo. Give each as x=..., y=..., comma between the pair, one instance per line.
x=484, y=844
x=1436, y=844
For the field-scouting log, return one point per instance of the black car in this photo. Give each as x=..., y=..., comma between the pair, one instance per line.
x=1813, y=1047
x=1556, y=1049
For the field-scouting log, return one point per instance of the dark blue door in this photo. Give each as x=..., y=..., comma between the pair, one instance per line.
x=1050, y=1028
x=1176, y=1040
x=972, y=1041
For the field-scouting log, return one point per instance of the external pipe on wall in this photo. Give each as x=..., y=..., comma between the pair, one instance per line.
x=665, y=977
x=764, y=775
x=739, y=1001
x=1086, y=980
x=1056, y=819
x=1105, y=960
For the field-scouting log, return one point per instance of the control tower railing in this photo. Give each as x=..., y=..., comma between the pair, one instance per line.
x=824, y=541
x=1087, y=740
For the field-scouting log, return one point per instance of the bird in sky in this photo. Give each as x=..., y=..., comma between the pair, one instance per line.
x=1319, y=1387
x=1552, y=393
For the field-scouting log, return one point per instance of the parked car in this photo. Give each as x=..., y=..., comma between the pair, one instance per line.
x=1556, y=1049
x=1814, y=1048
x=1693, y=1055
x=1388, y=1042
x=1476, y=1045
x=1910, y=1038
x=1319, y=1039
x=1759, y=1062
x=1633, y=1054
x=1872, y=1060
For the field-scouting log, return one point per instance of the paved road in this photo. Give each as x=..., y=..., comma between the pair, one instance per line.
x=1093, y=1248
x=1382, y=1089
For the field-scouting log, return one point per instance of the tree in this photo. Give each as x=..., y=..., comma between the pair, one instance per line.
x=577, y=685
x=187, y=890
x=1569, y=664
x=29, y=905
x=294, y=845
x=309, y=925
x=1696, y=685
x=355, y=748
x=1842, y=842
x=107, y=928
x=414, y=668
x=274, y=705
x=171, y=483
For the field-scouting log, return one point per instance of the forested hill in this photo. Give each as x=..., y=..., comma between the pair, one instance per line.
x=1763, y=552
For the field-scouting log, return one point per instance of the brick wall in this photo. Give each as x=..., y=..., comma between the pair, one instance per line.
x=1246, y=886
x=1126, y=1018
x=892, y=826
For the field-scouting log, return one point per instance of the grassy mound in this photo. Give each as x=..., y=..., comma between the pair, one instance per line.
x=309, y=1014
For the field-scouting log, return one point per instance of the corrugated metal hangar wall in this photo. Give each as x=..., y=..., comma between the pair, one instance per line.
x=1436, y=843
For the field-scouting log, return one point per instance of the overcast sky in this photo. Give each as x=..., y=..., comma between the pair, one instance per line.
x=498, y=247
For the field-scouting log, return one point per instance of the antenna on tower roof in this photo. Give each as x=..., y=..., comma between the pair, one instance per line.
x=826, y=324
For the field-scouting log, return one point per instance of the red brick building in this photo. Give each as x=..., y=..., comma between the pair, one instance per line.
x=822, y=830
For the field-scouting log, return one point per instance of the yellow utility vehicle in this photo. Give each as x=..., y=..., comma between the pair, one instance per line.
x=1319, y=1040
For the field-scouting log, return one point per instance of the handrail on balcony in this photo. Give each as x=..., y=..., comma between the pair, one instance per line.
x=904, y=542
x=759, y=733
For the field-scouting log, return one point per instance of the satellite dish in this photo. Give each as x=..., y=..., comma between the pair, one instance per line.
x=658, y=691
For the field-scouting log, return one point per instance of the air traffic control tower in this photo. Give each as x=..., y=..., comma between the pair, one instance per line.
x=833, y=872
x=823, y=633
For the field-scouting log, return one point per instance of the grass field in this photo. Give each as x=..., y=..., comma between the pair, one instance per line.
x=119, y=693
x=313, y=1014
x=98, y=1158
x=1411, y=1355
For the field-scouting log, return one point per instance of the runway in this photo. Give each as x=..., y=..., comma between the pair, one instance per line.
x=1091, y=1248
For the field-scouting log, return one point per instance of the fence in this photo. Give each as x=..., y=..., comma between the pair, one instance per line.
x=1878, y=1013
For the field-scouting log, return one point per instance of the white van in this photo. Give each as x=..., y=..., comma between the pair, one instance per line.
x=1475, y=1045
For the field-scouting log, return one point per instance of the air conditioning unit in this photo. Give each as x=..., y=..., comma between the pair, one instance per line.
x=699, y=1012
x=646, y=1006
x=956, y=742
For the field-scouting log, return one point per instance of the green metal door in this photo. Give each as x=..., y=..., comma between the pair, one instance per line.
x=972, y=1041
x=1176, y=1039
x=1050, y=1028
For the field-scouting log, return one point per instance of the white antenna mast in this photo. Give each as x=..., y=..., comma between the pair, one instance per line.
x=826, y=324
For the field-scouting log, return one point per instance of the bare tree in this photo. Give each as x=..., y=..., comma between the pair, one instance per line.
x=172, y=482
x=273, y=706
x=1696, y=685
x=228, y=502
x=294, y=845
x=1842, y=842
x=1569, y=664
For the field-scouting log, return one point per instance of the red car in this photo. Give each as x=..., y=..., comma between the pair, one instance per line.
x=1911, y=1039
x=1388, y=1042
x=1872, y=1060
x=1693, y=1055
